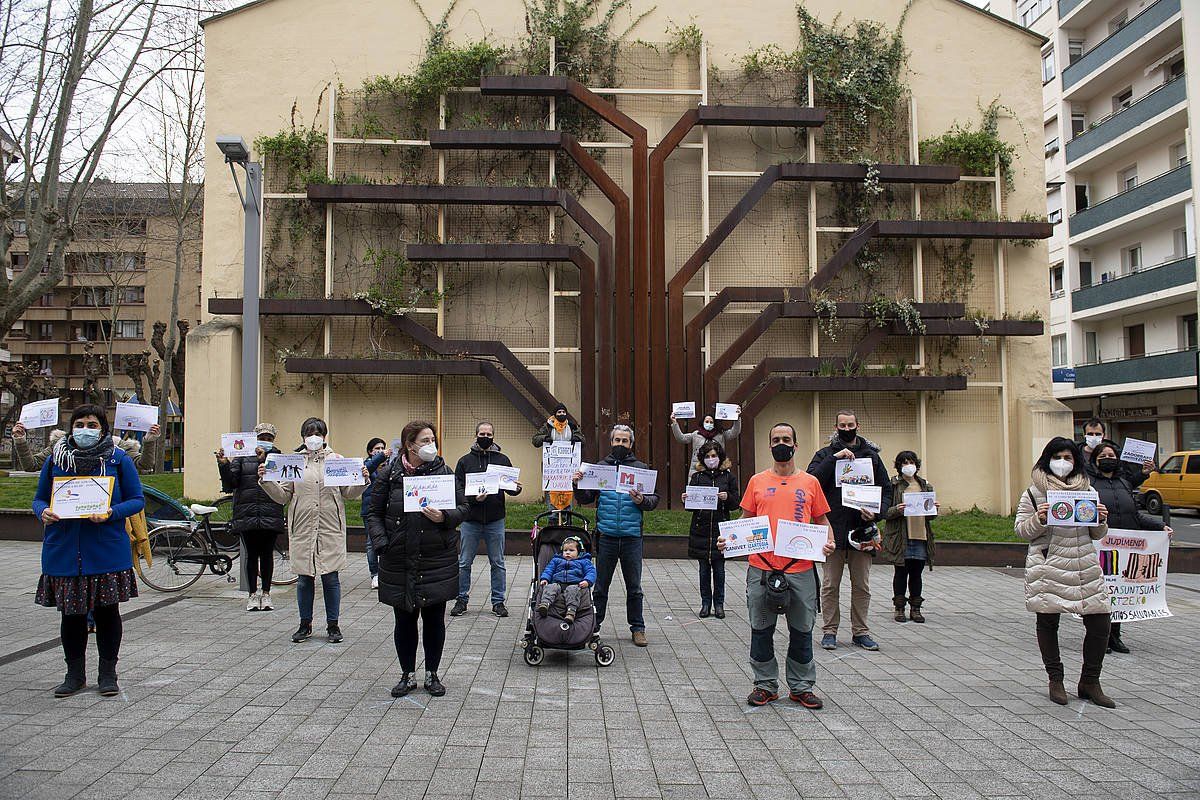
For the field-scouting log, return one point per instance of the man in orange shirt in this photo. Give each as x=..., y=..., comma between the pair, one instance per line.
x=784, y=492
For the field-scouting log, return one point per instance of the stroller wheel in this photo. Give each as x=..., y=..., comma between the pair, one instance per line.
x=534, y=655
x=605, y=655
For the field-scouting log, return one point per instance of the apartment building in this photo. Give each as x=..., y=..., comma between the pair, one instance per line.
x=1120, y=189
x=120, y=273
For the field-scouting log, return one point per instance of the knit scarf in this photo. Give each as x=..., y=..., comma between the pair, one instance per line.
x=1045, y=482
x=77, y=461
x=708, y=434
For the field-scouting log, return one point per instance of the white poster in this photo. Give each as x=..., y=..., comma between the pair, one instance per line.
x=559, y=462
x=477, y=483
x=854, y=471
x=1134, y=564
x=79, y=498
x=509, y=476
x=701, y=498
x=1138, y=452
x=867, y=498
x=728, y=411
x=1073, y=509
x=39, y=414
x=135, y=417
x=284, y=467
x=684, y=410
x=429, y=491
x=633, y=479
x=598, y=477
x=237, y=445
x=344, y=472
x=800, y=540
x=746, y=536
x=919, y=504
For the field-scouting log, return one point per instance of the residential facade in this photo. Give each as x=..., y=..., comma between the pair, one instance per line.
x=1120, y=186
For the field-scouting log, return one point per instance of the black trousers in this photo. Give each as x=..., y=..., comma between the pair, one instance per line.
x=433, y=619
x=908, y=578
x=73, y=630
x=260, y=558
x=1095, y=642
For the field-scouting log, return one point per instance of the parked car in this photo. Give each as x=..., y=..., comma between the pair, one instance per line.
x=1176, y=483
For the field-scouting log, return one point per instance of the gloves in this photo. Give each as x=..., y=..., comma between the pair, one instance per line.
x=139, y=538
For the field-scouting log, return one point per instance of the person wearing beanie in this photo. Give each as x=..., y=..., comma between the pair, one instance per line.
x=256, y=517
x=377, y=453
x=559, y=427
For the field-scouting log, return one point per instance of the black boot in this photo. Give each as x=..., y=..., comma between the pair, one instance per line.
x=914, y=609
x=76, y=678
x=106, y=681
x=705, y=609
x=433, y=684
x=1115, y=645
x=407, y=684
x=719, y=611
x=899, y=602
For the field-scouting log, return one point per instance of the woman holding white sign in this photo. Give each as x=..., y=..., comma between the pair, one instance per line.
x=908, y=536
x=1062, y=570
x=707, y=432
x=316, y=529
x=711, y=471
x=87, y=565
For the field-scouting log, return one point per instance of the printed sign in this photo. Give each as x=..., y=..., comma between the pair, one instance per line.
x=1073, y=509
x=237, y=445
x=867, y=498
x=854, y=471
x=135, y=417
x=684, y=410
x=633, y=479
x=598, y=477
x=429, y=491
x=1138, y=452
x=559, y=462
x=1134, y=564
x=39, y=414
x=919, y=504
x=284, y=467
x=477, y=483
x=746, y=536
x=79, y=498
x=344, y=472
x=701, y=498
x=800, y=540
x=729, y=411
x=509, y=476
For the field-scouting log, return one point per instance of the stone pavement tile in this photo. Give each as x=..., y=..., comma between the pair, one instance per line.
x=306, y=788
x=235, y=765
x=494, y=768
x=725, y=784
x=271, y=777
x=403, y=790
x=497, y=790
x=322, y=764
x=591, y=791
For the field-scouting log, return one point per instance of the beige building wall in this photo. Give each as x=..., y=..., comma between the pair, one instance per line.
x=270, y=54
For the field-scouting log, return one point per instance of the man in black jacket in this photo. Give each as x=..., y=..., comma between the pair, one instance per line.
x=484, y=520
x=1095, y=432
x=847, y=444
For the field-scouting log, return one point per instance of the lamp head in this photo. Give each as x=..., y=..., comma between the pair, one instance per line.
x=234, y=149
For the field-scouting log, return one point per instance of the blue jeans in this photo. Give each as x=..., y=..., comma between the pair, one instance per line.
x=492, y=534
x=627, y=550
x=372, y=559
x=331, y=589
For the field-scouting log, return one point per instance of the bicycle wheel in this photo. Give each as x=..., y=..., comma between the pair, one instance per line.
x=218, y=523
x=179, y=558
x=283, y=563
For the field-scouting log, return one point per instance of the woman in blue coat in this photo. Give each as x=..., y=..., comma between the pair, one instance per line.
x=87, y=565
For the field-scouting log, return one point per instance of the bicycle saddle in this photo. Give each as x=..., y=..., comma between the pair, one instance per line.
x=202, y=511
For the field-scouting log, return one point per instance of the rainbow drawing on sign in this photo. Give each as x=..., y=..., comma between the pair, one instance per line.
x=800, y=543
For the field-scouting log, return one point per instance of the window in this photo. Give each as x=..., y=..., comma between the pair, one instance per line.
x=1091, y=348
x=133, y=294
x=1127, y=179
x=20, y=226
x=1172, y=466
x=1193, y=465
x=1048, y=66
x=1058, y=350
x=1135, y=341
x=1074, y=50
x=1085, y=273
x=1179, y=154
x=1173, y=70
x=1180, y=238
x=46, y=300
x=46, y=366
x=1116, y=23
x=1078, y=124
x=1081, y=197
x=45, y=331
x=1056, y=280
x=1052, y=147
x=1122, y=99
x=1131, y=258
x=1054, y=217
x=129, y=329
x=1187, y=332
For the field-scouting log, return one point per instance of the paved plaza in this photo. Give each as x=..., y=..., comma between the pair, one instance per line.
x=218, y=703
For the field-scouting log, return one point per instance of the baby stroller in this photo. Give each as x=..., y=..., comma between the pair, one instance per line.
x=553, y=632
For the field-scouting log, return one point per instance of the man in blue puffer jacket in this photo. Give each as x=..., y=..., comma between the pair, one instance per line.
x=619, y=521
x=569, y=573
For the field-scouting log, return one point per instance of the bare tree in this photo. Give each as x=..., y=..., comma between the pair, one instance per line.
x=26, y=382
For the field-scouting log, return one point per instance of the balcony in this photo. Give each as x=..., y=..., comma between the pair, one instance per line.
x=1129, y=289
x=1067, y=6
x=1132, y=35
x=45, y=313
x=1145, y=198
x=1143, y=369
x=1106, y=132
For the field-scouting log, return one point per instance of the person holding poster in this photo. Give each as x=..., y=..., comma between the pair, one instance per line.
x=907, y=540
x=1112, y=484
x=316, y=516
x=707, y=432
x=847, y=444
x=619, y=524
x=484, y=520
x=23, y=454
x=418, y=554
x=377, y=453
x=87, y=566
x=1062, y=570
x=783, y=492
x=257, y=519
x=712, y=470
x=559, y=427
x=1094, y=433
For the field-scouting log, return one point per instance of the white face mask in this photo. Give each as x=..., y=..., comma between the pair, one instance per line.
x=1061, y=467
x=314, y=442
x=1093, y=440
x=712, y=463
x=908, y=470
x=708, y=426
x=427, y=452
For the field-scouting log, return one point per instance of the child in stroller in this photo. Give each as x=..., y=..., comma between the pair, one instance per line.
x=566, y=578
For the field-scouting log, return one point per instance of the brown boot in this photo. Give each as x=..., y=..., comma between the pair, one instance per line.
x=899, y=601
x=914, y=613
x=1058, y=692
x=1090, y=690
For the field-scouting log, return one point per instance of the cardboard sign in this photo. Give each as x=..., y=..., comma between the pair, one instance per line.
x=746, y=536
x=559, y=462
x=1073, y=509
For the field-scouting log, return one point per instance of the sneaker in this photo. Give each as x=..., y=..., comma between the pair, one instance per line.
x=569, y=616
x=407, y=684
x=806, y=699
x=460, y=608
x=303, y=632
x=760, y=697
x=865, y=642
x=334, y=633
x=264, y=602
x=374, y=581
x=639, y=638
x=499, y=610
x=433, y=685
x=253, y=601
x=829, y=641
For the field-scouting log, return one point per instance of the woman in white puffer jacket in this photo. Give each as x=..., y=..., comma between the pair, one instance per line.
x=1062, y=570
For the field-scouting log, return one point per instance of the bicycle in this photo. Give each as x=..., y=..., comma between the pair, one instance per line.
x=181, y=551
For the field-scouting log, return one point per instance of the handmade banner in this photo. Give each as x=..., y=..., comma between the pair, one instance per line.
x=78, y=498
x=746, y=536
x=559, y=462
x=1134, y=564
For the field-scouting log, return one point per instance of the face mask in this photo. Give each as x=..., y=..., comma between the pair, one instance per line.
x=1061, y=467
x=708, y=426
x=620, y=452
x=712, y=463
x=908, y=470
x=847, y=436
x=86, y=437
x=782, y=452
x=1108, y=464
x=264, y=445
x=484, y=442
x=314, y=442
x=561, y=417
x=1093, y=440
x=428, y=452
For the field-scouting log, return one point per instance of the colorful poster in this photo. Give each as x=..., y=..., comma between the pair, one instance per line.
x=429, y=491
x=1134, y=564
x=477, y=483
x=684, y=410
x=633, y=479
x=854, y=471
x=509, y=476
x=78, y=498
x=284, y=467
x=746, y=536
x=344, y=472
x=238, y=445
x=866, y=498
x=701, y=498
x=920, y=504
x=39, y=414
x=598, y=477
x=800, y=540
x=1073, y=509
x=135, y=417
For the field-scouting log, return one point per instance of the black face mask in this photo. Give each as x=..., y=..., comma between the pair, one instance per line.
x=561, y=417
x=620, y=452
x=484, y=442
x=1108, y=464
x=847, y=436
x=782, y=452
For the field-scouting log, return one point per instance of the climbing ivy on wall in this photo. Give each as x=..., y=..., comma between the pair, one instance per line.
x=975, y=149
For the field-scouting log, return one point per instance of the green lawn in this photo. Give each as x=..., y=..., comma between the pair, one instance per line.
x=965, y=526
